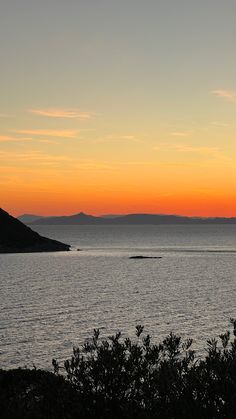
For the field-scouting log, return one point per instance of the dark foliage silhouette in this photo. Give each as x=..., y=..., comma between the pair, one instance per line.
x=36, y=394
x=140, y=379
x=123, y=378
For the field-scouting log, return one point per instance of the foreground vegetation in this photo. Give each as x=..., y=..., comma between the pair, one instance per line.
x=121, y=378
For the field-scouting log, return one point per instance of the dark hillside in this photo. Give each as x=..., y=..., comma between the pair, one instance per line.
x=17, y=237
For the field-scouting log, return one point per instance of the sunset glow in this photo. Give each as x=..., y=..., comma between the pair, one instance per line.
x=134, y=112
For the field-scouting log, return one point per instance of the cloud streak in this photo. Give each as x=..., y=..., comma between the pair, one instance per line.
x=118, y=138
x=61, y=113
x=5, y=115
x=192, y=149
x=34, y=157
x=50, y=133
x=212, y=152
x=228, y=95
x=181, y=134
x=7, y=139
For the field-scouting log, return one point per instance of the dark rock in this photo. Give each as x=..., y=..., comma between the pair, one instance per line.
x=145, y=257
x=16, y=237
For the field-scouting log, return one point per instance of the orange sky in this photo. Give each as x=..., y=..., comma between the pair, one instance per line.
x=119, y=189
x=52, y=174
x=104, y=110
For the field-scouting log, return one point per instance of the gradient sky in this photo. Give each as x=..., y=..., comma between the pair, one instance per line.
x=118, y=106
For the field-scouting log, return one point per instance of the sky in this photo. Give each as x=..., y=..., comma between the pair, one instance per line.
x=118, y=106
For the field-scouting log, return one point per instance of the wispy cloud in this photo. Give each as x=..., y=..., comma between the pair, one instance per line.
x=10, y=139
x=213, y=152
x=219, y=124
x=5, y=115
x=61, y=113
x=48, y=141
x=229, y=95
x=37, y=158
x=34, y=157
x=50, y=133
x=90, y=164
x=128, y=137
x=193, y=149
x=131, y=138
x=181, y=133
x=111, y=138
x=7, y=138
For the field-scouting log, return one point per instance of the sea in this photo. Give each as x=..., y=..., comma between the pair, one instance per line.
x=51, y=302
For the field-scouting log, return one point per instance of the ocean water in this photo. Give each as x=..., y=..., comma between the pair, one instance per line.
x=51, y=302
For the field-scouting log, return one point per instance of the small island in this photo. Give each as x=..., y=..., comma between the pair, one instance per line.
x=145, y=257
x=16, y=237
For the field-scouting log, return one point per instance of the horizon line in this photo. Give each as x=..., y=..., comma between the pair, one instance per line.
x=126, y=214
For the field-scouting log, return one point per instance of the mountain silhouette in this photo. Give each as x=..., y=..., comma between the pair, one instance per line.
x=16, y=237
x=130, y=219
x=80, y=218
x=28, y=218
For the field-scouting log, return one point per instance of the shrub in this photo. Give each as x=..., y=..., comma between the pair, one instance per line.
x=36, y=394
x=122, y=378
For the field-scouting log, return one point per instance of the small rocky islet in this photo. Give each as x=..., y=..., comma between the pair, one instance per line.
x=145, y=257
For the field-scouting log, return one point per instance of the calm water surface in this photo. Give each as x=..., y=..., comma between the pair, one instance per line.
x=52, y=301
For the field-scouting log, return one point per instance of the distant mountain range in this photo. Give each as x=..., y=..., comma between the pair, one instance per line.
x=29, y=218
x=15, y=237
x=130, y=219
